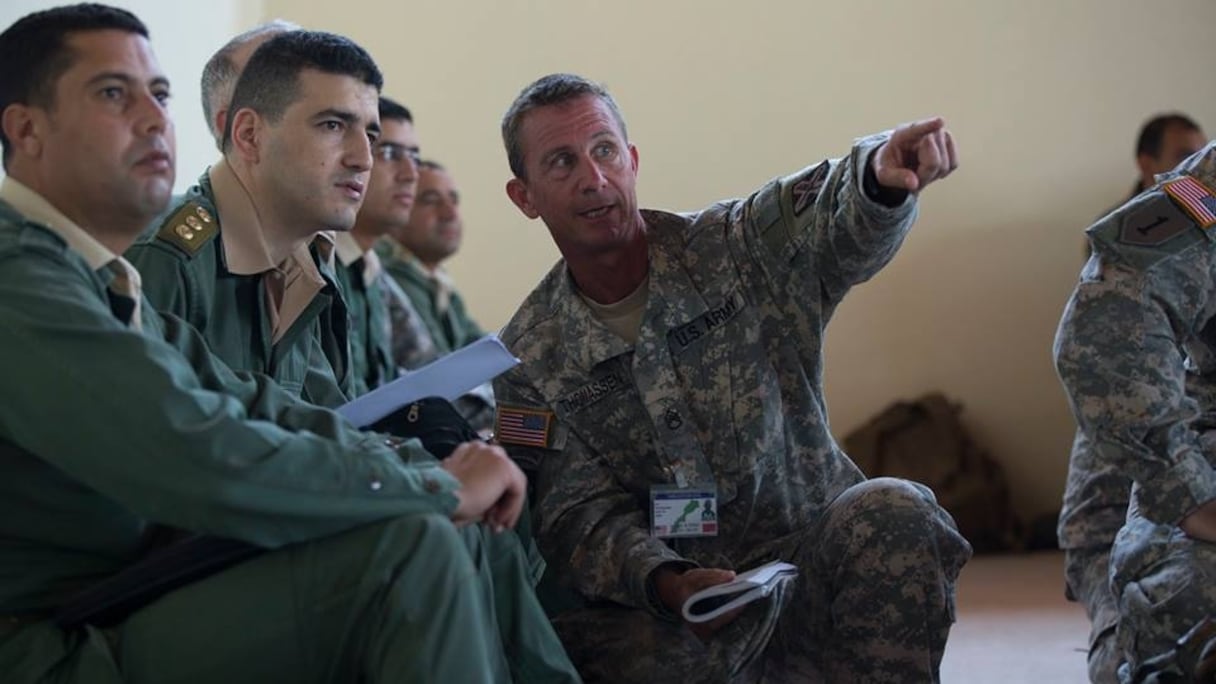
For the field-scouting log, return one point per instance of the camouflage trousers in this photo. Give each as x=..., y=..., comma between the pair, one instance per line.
x=873, y=602
x=1165, y=583
x=1088, y=574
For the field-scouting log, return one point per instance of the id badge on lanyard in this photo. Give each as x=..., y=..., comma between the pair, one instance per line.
x=683, y=511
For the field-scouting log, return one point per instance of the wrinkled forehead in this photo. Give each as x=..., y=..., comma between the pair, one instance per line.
x=570, y=123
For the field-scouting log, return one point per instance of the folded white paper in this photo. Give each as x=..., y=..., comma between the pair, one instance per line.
x=448, y=376
x=755, y=584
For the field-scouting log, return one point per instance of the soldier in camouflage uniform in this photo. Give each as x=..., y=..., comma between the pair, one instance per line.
x=1136, y=351
x=669, y=355
x=1095, y=507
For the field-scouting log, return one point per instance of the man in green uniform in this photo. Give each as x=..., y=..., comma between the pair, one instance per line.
x=163, y=434
x=414, y=257
x=368, y=289
x=246, y=256
x=416, y=254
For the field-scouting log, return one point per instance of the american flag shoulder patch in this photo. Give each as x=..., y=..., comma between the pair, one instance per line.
x=523, y=425
x=1195, y=198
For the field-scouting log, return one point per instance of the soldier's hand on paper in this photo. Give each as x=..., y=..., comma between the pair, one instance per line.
x=917, y=154
x=492, y=487
x=674, y=588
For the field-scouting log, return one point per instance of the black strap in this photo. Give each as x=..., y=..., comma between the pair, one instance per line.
x=112, y=600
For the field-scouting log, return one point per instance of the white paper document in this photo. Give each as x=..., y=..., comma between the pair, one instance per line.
x=711, y=602
x=448, y=376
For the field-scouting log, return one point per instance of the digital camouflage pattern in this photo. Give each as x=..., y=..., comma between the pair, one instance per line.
x=1136, y=352
x=724, y=384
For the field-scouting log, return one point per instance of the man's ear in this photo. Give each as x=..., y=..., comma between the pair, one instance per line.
x=517, y=190
x=248, y=135
x=220, y=123
x=23, y=127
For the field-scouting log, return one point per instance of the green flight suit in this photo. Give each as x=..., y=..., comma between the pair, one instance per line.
x=106, y=431
x=369, y=333
x=450, y=328
x=189, y=277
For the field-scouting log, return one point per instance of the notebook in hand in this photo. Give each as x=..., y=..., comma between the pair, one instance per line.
x=755, y=584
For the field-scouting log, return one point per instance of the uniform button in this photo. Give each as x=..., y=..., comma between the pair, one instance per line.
x=431, y=486
x=673, y=419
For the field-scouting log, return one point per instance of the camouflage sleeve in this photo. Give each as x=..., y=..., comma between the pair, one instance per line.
x=591, y=530
x=820, y=222
x=412, y=345
x=1096, y=497
x=1119, y=357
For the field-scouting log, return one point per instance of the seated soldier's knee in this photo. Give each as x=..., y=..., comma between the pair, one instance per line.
x=891, y=496
x=428, y=534
x=903, y=516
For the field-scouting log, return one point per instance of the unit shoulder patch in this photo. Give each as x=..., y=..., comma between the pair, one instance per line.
x=804, y=190
x=189, y=228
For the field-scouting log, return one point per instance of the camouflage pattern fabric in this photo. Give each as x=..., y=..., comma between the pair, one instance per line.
x=1136, y=352
x=724, y=385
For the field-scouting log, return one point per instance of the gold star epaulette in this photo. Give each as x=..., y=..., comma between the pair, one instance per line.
x=190, y=227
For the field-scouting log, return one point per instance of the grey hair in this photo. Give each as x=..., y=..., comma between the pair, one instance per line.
x=545, y=91
x=220, y=73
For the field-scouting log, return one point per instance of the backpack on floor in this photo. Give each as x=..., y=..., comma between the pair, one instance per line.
x=924, y=441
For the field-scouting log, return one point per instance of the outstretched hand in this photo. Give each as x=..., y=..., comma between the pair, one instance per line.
x=917, y=154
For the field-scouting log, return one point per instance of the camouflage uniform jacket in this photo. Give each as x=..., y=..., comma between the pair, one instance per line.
x=1136, y=352
x=724, y=382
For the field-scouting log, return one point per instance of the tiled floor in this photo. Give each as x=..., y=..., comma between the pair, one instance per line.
x=1014, y=624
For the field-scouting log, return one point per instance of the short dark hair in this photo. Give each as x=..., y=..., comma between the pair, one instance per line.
x=392, y=109
x=1152, y=134
x=549, y=90
x=271, y=79
x=34, y=52
x=430, y=165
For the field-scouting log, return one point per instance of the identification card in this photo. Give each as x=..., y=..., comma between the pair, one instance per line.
x=683, y=511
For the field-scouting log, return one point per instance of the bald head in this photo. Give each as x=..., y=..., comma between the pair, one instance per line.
x=225, y=67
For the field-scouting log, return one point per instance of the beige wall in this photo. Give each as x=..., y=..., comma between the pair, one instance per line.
x=1043, y=96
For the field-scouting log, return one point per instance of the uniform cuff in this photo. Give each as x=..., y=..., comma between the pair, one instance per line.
x=1177, y=491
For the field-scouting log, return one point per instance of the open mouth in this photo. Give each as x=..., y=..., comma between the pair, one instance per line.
x=597, y=212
